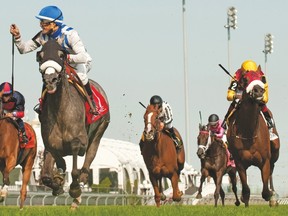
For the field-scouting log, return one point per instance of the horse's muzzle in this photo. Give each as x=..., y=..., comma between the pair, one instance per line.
x=149, y=136
x=200, y=153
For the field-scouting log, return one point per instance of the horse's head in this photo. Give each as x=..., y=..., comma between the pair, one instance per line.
x=203, y=141
x=152, y=123
x=254, y=82
x=51, y=60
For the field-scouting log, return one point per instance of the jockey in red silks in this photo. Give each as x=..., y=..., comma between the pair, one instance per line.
x=235, y=90
x=14, y=107
x=214, y=126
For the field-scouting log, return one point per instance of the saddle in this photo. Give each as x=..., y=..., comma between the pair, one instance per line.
x=76, y=82
x=177, y=141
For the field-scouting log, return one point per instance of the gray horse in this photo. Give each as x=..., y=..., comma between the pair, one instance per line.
x=63, y=124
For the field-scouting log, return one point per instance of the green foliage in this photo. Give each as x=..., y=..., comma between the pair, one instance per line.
x=103, y=187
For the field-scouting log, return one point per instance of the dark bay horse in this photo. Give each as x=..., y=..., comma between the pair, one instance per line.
x=63, y=124
x=213, y=156
x=160, y=155
x=9, y=152
x=249, y=140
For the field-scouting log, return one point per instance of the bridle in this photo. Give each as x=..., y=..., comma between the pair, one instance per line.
x=151, y=130
x=208, y=143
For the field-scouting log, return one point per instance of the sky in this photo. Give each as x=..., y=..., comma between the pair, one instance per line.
x=137, y=51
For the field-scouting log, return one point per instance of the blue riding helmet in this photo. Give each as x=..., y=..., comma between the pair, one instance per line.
x=51, y=13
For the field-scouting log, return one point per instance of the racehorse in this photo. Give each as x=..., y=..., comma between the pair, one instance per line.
x=63, y=123
x=160, y=155
x=10, y=155
x=213, y=156
x=249, y=140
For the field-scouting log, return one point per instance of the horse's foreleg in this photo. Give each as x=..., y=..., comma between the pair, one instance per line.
x=218, y=190
x=245, y=188
x=163, y=196
x=10, y=165
x=176, y=192
x=155, y=185
x=47, y=169
x=26, y=171
x=92, y=150
x=89, y=157
x=49, y=179
x=222, y=195
x=265, y=173
x=75, y=190
x=275, y=146
x=233, y=179
x=202, y=179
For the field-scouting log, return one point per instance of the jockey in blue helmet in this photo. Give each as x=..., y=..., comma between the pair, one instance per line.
x=51, y=23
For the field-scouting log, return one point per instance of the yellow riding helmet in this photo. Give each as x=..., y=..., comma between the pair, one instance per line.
x=249, y=65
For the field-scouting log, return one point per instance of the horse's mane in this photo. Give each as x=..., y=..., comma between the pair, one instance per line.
x=151, y=108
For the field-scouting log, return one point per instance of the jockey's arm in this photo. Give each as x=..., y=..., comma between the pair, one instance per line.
x=232, y=90
x=79, y=54
x=167, y=113
x=265, y=96
x=27, y=46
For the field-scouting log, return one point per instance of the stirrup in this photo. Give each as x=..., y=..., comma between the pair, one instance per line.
x=94, y=111
x=177, y=142
x=24, y=139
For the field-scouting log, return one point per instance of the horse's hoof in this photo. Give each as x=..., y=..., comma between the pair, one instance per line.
x=47, y=181
x=57, y=192
x=1, y=199
x=74, y=193
x=199, y=196
x=237, y=203
x=163, y=197
x=176, y=199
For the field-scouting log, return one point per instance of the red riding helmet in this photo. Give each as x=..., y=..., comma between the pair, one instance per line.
x=7, y=88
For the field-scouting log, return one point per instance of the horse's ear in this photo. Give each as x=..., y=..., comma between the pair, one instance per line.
x=259, y=69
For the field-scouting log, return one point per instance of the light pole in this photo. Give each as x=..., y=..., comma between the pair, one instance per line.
x=268, y=47
x=231, y=23
x=187, y=130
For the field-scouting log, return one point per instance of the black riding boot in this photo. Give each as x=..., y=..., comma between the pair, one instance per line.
x=176, y=140
x=269, y=120
x=93, y=109
x=24, y=137
x=231, y=107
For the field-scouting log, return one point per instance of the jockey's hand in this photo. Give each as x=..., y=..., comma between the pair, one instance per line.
x=238, y=96
x=9, y=115
x=14, y=30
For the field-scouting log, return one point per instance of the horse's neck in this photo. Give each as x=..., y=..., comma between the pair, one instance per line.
x=61, y=99
x=248, y=116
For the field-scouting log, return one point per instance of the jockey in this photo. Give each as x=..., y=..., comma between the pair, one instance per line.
x=51, y=22
x=166, y=116
x=214, y=126
x=14, y=106
x=234, y=92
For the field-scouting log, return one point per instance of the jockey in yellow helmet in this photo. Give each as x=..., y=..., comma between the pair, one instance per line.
x=234, y=92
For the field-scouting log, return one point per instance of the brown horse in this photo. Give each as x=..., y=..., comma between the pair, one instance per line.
x=160, y=155
x=9, y=154
x=64, y=125
x=213, y=156
x=249, y=140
